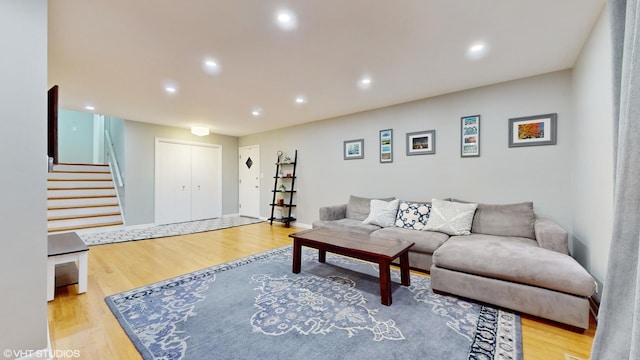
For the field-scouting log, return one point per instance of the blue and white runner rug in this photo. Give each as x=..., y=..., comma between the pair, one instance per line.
x=158, y=231
x=256, y=308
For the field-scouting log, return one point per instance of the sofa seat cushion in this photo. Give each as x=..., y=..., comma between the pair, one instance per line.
x=514, y=259
x=351, y=225
x=426, y=241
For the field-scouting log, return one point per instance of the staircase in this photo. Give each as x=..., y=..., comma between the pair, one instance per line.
x=82, y=197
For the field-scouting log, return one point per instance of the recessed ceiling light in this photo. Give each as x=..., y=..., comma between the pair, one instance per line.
x=89, y=107
x=287, y=20
x=301, y=100
x=256, y=112
x=364, y=83
x=477, y=51
x=170, y=89
x=211, y=66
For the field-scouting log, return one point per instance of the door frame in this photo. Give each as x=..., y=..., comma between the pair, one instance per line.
x=156, y=191
x=259, y=177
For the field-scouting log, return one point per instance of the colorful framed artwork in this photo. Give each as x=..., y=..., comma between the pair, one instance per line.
x=386, y=146
x=533, y=130
x=470, y=136
x=421, y=143
x=354, y=149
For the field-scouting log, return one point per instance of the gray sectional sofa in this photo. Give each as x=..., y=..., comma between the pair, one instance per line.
x=509, y=257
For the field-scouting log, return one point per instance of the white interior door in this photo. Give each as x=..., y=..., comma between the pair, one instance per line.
x=249, y=175
x=173, y=183
x=206, y=182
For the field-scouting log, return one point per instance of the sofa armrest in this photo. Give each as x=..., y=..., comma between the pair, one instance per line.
x=335, y=212
x=550, y=235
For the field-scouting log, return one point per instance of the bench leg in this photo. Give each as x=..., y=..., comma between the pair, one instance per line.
x=82, y=271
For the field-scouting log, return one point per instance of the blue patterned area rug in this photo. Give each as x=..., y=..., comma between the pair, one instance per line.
x=256, y=308
x=158, y=231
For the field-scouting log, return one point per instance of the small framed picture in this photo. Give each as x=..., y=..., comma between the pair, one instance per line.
x=533, y=130
x=470, y=136
x=421, y=143
x=354, y=149
x=386, y=146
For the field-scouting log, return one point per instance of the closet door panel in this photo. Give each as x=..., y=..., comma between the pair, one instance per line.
x=173, y=182
x=205, y=182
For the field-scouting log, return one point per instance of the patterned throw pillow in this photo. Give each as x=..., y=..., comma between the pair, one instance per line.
x=382, y=213
x=451, y=218
x=412, y=215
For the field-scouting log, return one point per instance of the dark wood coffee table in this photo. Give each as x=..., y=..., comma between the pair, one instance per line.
x=359, y=246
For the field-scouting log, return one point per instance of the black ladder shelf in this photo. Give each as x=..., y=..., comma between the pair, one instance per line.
x=284, y=184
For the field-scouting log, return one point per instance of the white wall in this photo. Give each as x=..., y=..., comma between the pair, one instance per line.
x=139, y=168
x=500, y=175
x=23, y=244
x=592, y=182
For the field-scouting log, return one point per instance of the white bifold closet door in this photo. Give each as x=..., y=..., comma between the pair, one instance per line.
x=188, y=182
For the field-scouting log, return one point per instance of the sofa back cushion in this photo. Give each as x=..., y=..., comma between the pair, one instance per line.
x=358, y=207
x=505, y=220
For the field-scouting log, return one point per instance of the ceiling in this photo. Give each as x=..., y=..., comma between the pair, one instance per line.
x=119, y=55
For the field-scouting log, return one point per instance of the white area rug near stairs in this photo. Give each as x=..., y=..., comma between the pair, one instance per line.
x=82, y=197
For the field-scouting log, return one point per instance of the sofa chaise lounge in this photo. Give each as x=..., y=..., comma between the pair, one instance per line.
x=508, y=257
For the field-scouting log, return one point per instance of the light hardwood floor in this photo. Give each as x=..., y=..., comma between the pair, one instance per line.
x=85, y=323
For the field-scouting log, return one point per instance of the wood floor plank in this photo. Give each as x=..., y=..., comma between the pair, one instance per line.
x=85, y=323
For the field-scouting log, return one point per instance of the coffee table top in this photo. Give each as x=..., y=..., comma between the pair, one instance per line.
x=356, y=241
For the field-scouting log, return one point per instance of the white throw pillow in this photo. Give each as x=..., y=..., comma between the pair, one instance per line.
x=451, y=218
x=382, y=213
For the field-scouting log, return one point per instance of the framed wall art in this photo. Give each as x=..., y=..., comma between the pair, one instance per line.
x=533, y=130
x=470, y=136
x=386, y=146
x=354, y=149
x=421, y=143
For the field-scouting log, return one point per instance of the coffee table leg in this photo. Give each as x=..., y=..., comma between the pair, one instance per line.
x=322, y=255
x=405, y=278
x=385, y=282
x=297, y=249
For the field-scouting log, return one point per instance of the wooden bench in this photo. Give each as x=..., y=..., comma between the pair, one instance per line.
x=64, y=251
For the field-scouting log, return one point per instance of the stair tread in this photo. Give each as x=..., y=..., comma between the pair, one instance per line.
x=82, y=188
x=82, y=206
x=80, y=227
x=81, y=197
x=87, y=216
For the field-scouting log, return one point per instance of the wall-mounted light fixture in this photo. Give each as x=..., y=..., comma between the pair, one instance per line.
x=200, y=130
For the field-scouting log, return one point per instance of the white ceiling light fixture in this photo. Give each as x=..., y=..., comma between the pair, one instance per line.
x=200, y=130
x=477, y=51
x=256, y=112
x=287, y=20
x=300, y=99
x=211, y=66
x=90, y=107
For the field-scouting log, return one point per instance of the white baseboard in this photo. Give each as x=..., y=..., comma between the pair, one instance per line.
x=139, y=226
